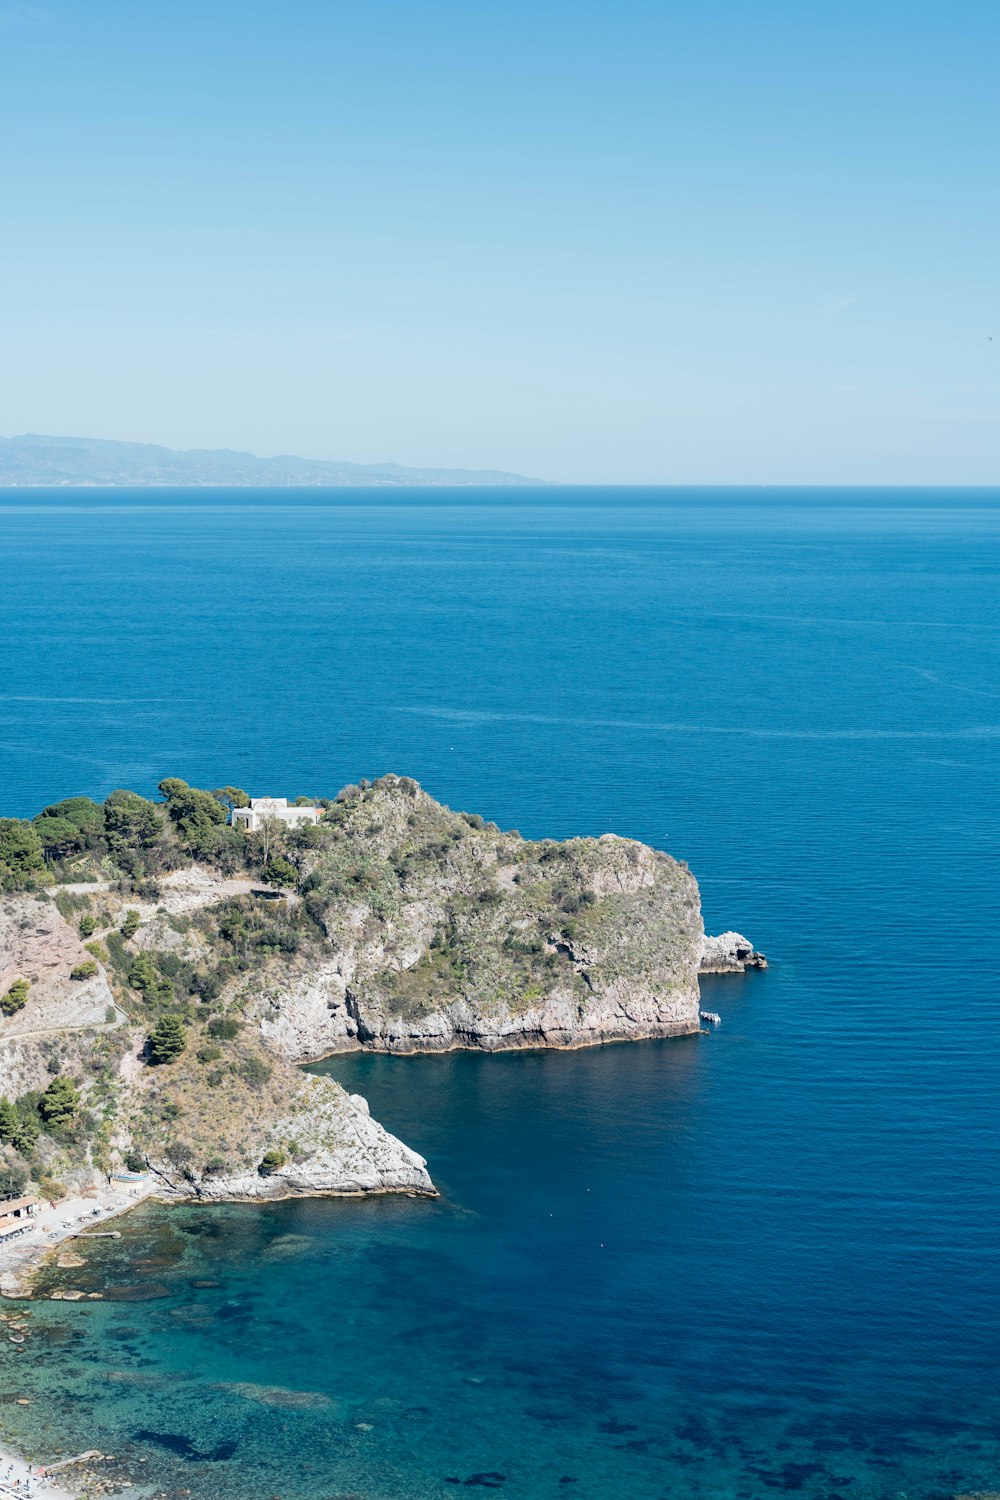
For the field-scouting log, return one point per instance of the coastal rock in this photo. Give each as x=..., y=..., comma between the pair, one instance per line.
x=729, y=953
x=442, y=932
x=333, y=1148
x=393, y=925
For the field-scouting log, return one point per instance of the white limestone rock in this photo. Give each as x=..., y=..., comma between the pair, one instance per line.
x=729, y=953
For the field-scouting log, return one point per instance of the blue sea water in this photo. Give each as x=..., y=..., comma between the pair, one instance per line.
x=725, y=1266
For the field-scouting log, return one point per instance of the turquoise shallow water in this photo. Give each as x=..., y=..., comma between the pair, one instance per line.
x=757, y=1261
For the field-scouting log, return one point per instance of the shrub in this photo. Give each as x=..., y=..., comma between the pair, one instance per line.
x=271, y=1161
x=224, y=1028
x=144, y=976
x=130, y=924
x=255, y=1071
x=215, y=1166
x=88, y=926
x=208, y=986
x=167, y=1041
x=16, y=997
x=51, y=1188
x=135, y=1161
x=226, y=848
x=86, y=970
x=99, y=951
x=280, y=871
x=180, y=1154
x=13, y=1179
x=209, y=1054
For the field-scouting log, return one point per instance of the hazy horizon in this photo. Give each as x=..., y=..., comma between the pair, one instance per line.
x=642, y=246
x=366, y=476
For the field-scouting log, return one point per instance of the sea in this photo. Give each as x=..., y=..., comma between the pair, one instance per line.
x=760, y=1260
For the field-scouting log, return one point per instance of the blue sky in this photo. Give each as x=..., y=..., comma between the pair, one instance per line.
x=678, y=243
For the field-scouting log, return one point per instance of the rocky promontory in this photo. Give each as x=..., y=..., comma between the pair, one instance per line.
x=173, y=965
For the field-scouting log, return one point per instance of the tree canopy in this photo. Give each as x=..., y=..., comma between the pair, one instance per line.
x=131, y=823
x=232, y=796
x=75, y=823
x=198, y=816
x=22, y=862
x=58, y=835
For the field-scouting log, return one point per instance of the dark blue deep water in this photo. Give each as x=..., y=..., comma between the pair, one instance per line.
x=759, y=1261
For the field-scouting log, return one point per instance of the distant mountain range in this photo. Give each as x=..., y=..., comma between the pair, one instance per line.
x=35, y=459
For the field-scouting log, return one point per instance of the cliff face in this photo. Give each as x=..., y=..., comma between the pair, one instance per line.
x=439, y=931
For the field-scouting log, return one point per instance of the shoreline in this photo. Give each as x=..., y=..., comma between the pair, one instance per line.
x=664, y=1034
x=75, y=1218
x=19, y=1478
x=55, y=1226
x=59, y=1223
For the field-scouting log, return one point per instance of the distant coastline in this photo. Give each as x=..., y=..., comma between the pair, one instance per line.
x=36, y=460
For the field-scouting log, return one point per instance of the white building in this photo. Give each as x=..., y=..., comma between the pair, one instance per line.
x=263, y=808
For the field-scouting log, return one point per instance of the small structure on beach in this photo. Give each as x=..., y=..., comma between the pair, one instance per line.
x=263, y=809
x=16, y=1217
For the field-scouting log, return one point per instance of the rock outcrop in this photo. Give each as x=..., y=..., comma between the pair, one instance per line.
x=394, y=925
x=440, y=931
x=330, y=1144
x=729, y=953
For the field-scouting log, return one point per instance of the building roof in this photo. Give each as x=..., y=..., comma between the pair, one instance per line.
x=12, y=1205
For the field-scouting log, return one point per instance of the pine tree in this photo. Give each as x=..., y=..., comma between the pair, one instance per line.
x=168, y=1040
x=59, y=1103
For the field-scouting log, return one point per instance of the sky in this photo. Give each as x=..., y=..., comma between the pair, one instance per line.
x=718, y=241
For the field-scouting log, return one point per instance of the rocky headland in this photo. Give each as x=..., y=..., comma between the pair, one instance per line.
x=163, y=974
